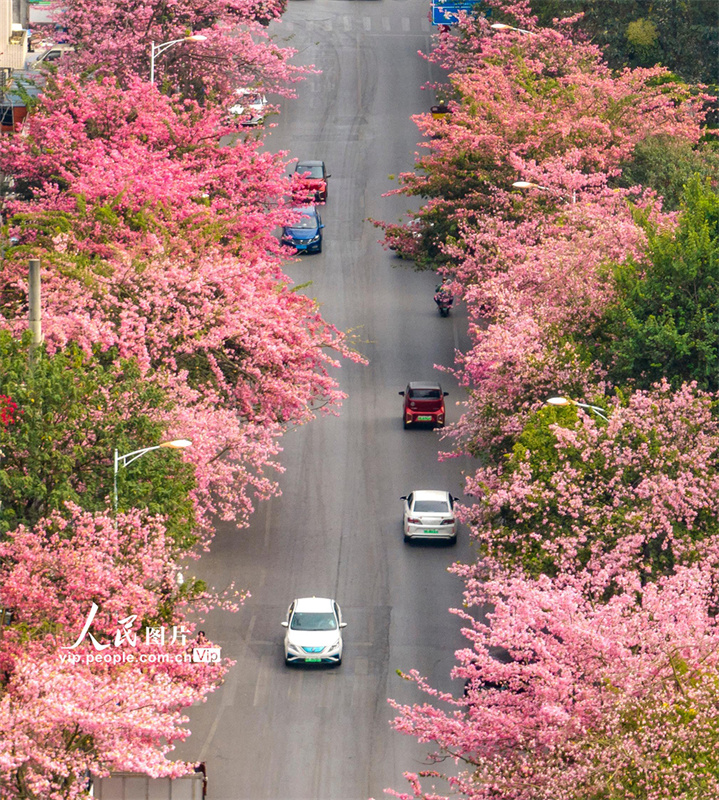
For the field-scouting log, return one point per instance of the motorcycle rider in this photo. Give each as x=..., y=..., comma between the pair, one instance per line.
x=443, y=294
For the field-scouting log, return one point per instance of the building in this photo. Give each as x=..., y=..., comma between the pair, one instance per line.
x=13, y=39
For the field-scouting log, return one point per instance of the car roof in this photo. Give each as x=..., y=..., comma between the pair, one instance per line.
x=306, y=163
x=424, y=385
x=430, y=494
x=305, y=209
x=314, y=604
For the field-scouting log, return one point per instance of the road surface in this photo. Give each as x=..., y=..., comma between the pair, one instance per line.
x=273, y=733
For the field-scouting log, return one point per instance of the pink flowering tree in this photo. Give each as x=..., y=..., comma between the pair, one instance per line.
x=591, y=612
x=78, y=699
x=157, y=245
x=532, y=263
x=634, y=496
x=114, y=38
x=567, y=699
x=539, y=108
x=536, y=288
x=591, y=617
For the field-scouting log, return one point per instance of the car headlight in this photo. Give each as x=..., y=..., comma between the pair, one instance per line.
x=334, y=646
x=315, y=239
x=293, y=648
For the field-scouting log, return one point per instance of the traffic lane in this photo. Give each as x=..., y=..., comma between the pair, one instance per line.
x=337, y=531
x=310, y=536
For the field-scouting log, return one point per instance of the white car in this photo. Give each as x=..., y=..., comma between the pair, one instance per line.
x=429, y=515
x=55, y=53
x=314, y=631
x=251, y=106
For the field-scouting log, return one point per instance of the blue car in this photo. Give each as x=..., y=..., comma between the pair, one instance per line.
x=305, y=235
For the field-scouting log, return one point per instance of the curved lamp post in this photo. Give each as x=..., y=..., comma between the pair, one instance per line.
x=530, y=185
x=500, y=26
x=128, y=458
x=159, y=49
x=566, y=401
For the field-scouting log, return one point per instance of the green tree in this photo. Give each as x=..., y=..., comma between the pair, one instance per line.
x=666, y=165
x=682, y=35
x=73, y=411
x=666, y=321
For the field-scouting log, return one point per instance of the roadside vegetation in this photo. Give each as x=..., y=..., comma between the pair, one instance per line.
x=590, y=610
x=166, y=317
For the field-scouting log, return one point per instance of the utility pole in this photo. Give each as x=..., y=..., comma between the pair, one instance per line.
x=35, y=308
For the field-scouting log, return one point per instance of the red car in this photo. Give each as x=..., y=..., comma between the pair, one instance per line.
x=423, y=403
x=309, y=182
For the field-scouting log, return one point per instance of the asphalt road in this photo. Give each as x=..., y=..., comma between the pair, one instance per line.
x=273, y=733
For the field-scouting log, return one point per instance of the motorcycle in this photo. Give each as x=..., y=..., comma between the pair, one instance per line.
x=444, y=301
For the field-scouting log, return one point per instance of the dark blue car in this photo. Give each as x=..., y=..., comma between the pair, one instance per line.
x=305, y=235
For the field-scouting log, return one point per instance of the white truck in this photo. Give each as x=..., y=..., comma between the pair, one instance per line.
x=135, y=786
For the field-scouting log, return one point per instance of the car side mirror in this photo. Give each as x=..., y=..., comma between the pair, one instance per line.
x=327, y=176
x=445, y=393
x=404, y=497
x=322, y=225
x=343, y=624
x=402, y=393
x=284, y=624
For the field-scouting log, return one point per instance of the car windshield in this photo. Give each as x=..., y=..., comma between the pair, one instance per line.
x=431, y=506
x=250, y=99
x=425, y=394
x=305, y=222
x=313, y=621
x=314, y=172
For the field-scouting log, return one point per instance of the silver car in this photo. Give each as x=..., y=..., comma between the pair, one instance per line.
x=429, y=515
x=251, y=107
x=314, y=631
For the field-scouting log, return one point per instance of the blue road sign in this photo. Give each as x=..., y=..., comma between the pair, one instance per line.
x=447, y=13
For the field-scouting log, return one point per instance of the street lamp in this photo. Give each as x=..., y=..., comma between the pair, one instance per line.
x=566, y=401
x=128, y=458
x=530, y=185
x=500, y=26
x=159, y=49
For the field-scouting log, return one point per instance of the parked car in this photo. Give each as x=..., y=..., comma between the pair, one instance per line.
x=424, y=403
x=314, y=631
x=429, y=514
x=251, y=107
x=408, y=240
x=52, y=55
x=305, y=234
x=309, y=181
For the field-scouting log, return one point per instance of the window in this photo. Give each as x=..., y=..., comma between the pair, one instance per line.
x=431, y=507
x=6, y=116
x=314, y=171
x=425, y=394
x=313, y=621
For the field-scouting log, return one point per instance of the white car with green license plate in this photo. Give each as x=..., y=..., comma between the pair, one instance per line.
x=314, y=631
x=429, y=514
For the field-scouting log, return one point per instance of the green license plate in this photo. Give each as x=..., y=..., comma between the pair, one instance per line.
x=313, y=659
x=424, y=418
x=431, y=530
